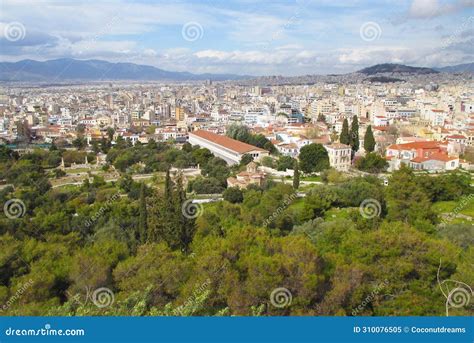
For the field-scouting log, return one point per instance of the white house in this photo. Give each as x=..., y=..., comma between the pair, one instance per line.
x=339, y=156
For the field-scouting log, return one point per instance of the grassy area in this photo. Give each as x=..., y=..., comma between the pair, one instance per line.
x=68, y=188
x=311, y=178
x=76, y=170
x=298, y=204
x=338, y=213
x=463, y=206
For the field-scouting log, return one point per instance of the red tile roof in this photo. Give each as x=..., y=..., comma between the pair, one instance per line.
x=456, y=137
x=442, y=157
x=416, y=145
x=436, y=157
x=226, y=142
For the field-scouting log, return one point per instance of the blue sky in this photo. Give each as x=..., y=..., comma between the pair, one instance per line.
x=291, y=37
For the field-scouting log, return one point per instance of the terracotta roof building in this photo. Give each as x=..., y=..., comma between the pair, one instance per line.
x=228, y=149
x=251, y=176
x=427, y=155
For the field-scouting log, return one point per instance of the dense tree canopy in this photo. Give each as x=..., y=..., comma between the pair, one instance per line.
x=159, y=253
x=313, y=158
x=372, y=163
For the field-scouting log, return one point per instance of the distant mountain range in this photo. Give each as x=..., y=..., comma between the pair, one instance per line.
x=396, y=68
x=460, y=68
x=68, y=69
x=96, y=70
x=404, y=69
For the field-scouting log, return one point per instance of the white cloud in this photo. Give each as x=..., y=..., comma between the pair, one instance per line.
x=425, y=8
x=432, y=8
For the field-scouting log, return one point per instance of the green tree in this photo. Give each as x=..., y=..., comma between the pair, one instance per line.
x=95, y=147
x=23, y=131
x=296, y=176
x=79, y=143
x=233, y=195
x=354, y=135
x=406, y=199
x=313, y=158
x=110, y=133
x=372, y=163
x=171, y=217
x=285, y=162
x=142, y=219
x=246, y=159
x=344, y=137
x=267, y=161
x=369, y=140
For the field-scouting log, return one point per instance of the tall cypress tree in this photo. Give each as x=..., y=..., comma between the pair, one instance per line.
x=369, y=140
x=344, y=138
x=354, y=135
x=296, y=176
x=185, y=224
x=168, y=186
x=142, y=219
x=167, y=219
x=161, y=214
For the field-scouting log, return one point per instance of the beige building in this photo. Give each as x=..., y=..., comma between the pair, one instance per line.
x=339, y=156
x=251, y=176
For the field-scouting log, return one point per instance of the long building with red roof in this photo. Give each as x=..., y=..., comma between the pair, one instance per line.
x=228, y=149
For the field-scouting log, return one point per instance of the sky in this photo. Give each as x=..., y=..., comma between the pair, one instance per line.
x=293, y=37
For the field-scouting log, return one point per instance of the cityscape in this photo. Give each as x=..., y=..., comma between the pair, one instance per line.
x=212, y=173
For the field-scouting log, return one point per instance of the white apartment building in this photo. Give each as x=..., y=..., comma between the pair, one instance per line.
x=339, y=156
